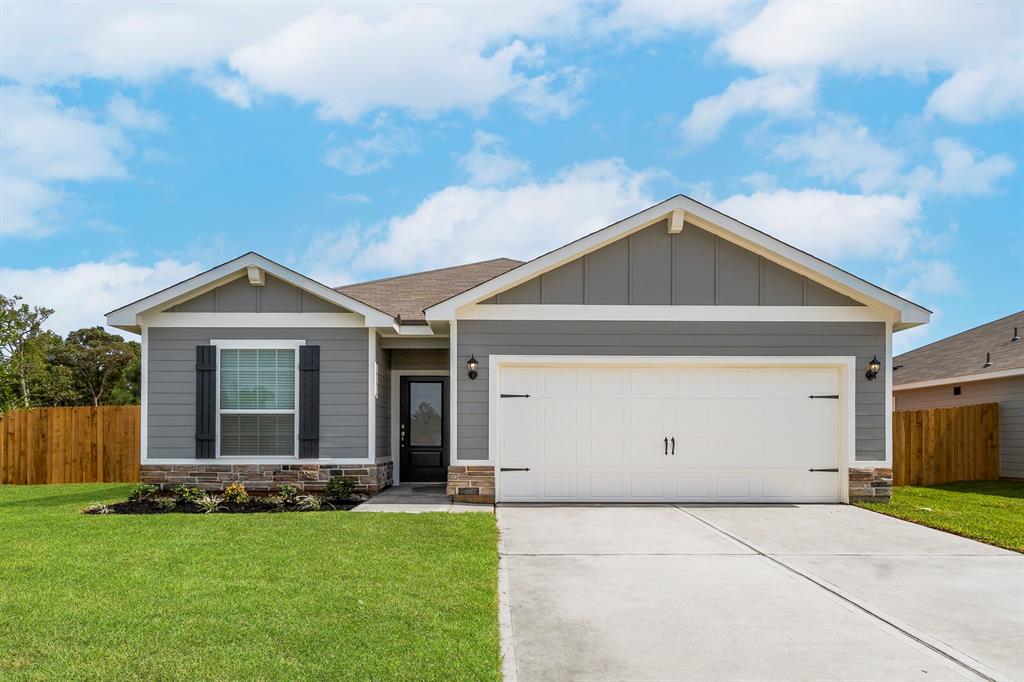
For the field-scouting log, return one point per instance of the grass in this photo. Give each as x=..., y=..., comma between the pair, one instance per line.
x=332, y=595
x=989, y=511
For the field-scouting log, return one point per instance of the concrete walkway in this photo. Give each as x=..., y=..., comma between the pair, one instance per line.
x=805, y=592
x=418, y=498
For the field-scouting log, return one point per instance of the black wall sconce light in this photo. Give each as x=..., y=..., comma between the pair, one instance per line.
x=873, y=368
x=472, y=364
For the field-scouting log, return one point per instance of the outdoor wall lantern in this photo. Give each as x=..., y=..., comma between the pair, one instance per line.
x=472, y=364
x=873, y=368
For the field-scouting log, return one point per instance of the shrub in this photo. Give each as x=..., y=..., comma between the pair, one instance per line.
x=165, y=503
x=190, y=494
x=275, y=500
x=236, y=493
x=288, y=491
x=210, y=503
x=341, y=488
x=142, y=491
x=97, y=508
x=308, y=502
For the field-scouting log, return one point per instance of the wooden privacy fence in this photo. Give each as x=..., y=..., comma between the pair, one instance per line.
x=945, y=444
x=70, y=445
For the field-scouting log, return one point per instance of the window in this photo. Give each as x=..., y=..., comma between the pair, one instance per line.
x=257, y=401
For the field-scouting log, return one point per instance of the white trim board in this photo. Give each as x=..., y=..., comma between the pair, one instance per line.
x=962, y=379
x=396, y=408
x=903, y=312
x=637, y=313
x=846, y=367
x=128, y=316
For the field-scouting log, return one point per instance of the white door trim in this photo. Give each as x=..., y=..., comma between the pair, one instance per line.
x=846, y=366
x=396, y=407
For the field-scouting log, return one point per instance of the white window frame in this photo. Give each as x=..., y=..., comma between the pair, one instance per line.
x=258, y=344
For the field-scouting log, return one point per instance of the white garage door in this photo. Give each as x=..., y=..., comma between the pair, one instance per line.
x=668, y=433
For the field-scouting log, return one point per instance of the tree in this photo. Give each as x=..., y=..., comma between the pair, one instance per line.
x=99, y=361
x=20, y=327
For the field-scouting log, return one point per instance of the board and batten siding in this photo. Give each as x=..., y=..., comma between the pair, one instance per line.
x=1008, y=392
x=652, y=267
x=484, y=338
x=382, y=421
x=172, y=386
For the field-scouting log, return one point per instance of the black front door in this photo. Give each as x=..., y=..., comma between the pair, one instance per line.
x=423, y=429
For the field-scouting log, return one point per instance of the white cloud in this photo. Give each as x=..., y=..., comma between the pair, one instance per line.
x=554, y=95
x=374, y=153
x=960, y=172
x=109, y=285
x=465, y=223
x=350, y=198
x=24, y=205
x=979, y=43
x=489, y=162
x=925, y=279
x=126, y=114
x=775, y=94
x=831, y=225
x=840, y=149
x=650, y=20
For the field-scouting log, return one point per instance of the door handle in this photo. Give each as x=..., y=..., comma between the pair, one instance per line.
x=673, y=445
x=666, y=445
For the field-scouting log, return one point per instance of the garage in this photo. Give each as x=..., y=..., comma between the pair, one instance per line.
x=766, y=430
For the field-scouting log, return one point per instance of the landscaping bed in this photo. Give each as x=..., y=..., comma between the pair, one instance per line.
x=989, y=511
x=234, y=499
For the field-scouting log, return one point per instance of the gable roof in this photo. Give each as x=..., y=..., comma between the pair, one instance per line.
x=677, y=210
x=408, y=295
x=963, y=355
x=127, y=317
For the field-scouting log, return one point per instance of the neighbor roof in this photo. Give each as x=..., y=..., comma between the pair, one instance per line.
x=409, y=295
x=963, y=354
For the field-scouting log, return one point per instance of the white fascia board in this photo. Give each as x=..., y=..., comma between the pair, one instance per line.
x=903, y=313
x=233, y=269
x=682, y=313
x=962, y=379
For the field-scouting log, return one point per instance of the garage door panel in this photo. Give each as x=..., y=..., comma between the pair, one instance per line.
x=742, y=434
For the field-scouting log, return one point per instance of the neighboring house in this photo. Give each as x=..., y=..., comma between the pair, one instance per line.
x=980, y=365
x=674, y=355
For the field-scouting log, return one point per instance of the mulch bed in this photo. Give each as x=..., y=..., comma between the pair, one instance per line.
x=253, y=506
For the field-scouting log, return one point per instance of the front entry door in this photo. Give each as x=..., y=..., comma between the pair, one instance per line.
x=423, y=429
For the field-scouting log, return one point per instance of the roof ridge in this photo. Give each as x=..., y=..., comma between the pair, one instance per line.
x=953, y=336
x=424, y=272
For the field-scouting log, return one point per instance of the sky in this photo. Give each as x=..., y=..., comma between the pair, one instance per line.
x=142, y=143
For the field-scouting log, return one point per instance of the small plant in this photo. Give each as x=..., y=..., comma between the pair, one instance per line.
x=190, y=494
x=236, y=493
x=142, y=491
x=165, y=504
x=211, y=503
x=274, y=500
x=308, y=503
x=288, y=491
x=340, y=488
x=97, y=508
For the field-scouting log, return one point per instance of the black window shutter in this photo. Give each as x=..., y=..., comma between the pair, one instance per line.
x=206, y=401
x=309, y=401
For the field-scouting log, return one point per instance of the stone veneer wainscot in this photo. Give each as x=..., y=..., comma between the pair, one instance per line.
x=870, y=485
x=471, y=483
x=370, y=478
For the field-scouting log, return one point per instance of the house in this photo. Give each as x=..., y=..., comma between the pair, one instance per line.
x=980, y=365
x=677, y=354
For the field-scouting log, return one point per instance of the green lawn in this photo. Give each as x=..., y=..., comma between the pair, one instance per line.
x=990, y=511
x=331, y=595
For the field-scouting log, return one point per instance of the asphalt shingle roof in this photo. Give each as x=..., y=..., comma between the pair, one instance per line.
x=409, y=295
x=964, y=353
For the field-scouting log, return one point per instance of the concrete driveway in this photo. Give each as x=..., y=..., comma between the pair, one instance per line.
x=803, y=592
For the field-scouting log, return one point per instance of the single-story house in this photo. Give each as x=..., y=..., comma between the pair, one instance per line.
x=980, y=365
x=675, y=355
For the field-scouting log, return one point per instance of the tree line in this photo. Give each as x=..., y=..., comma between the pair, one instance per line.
x=39, y=368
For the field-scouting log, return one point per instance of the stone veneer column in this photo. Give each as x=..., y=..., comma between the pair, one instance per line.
x=473, y=483
x=870, y=485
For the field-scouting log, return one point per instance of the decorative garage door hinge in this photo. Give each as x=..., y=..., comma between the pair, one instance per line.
x=830, y=397
x=515, y=395
x=514, y=469
x=835, y=471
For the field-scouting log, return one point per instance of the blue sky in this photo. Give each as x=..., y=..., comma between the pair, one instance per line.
x=142, y=143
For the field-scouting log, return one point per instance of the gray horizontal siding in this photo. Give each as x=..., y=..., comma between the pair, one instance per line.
x=171, y=387
x=1008, y=392
x=485, y=338
x=652, y=267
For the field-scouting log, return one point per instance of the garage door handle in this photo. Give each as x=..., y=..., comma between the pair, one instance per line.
x=673, y=445
x=514, y=469
x=835, y=471
x=666, y=445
